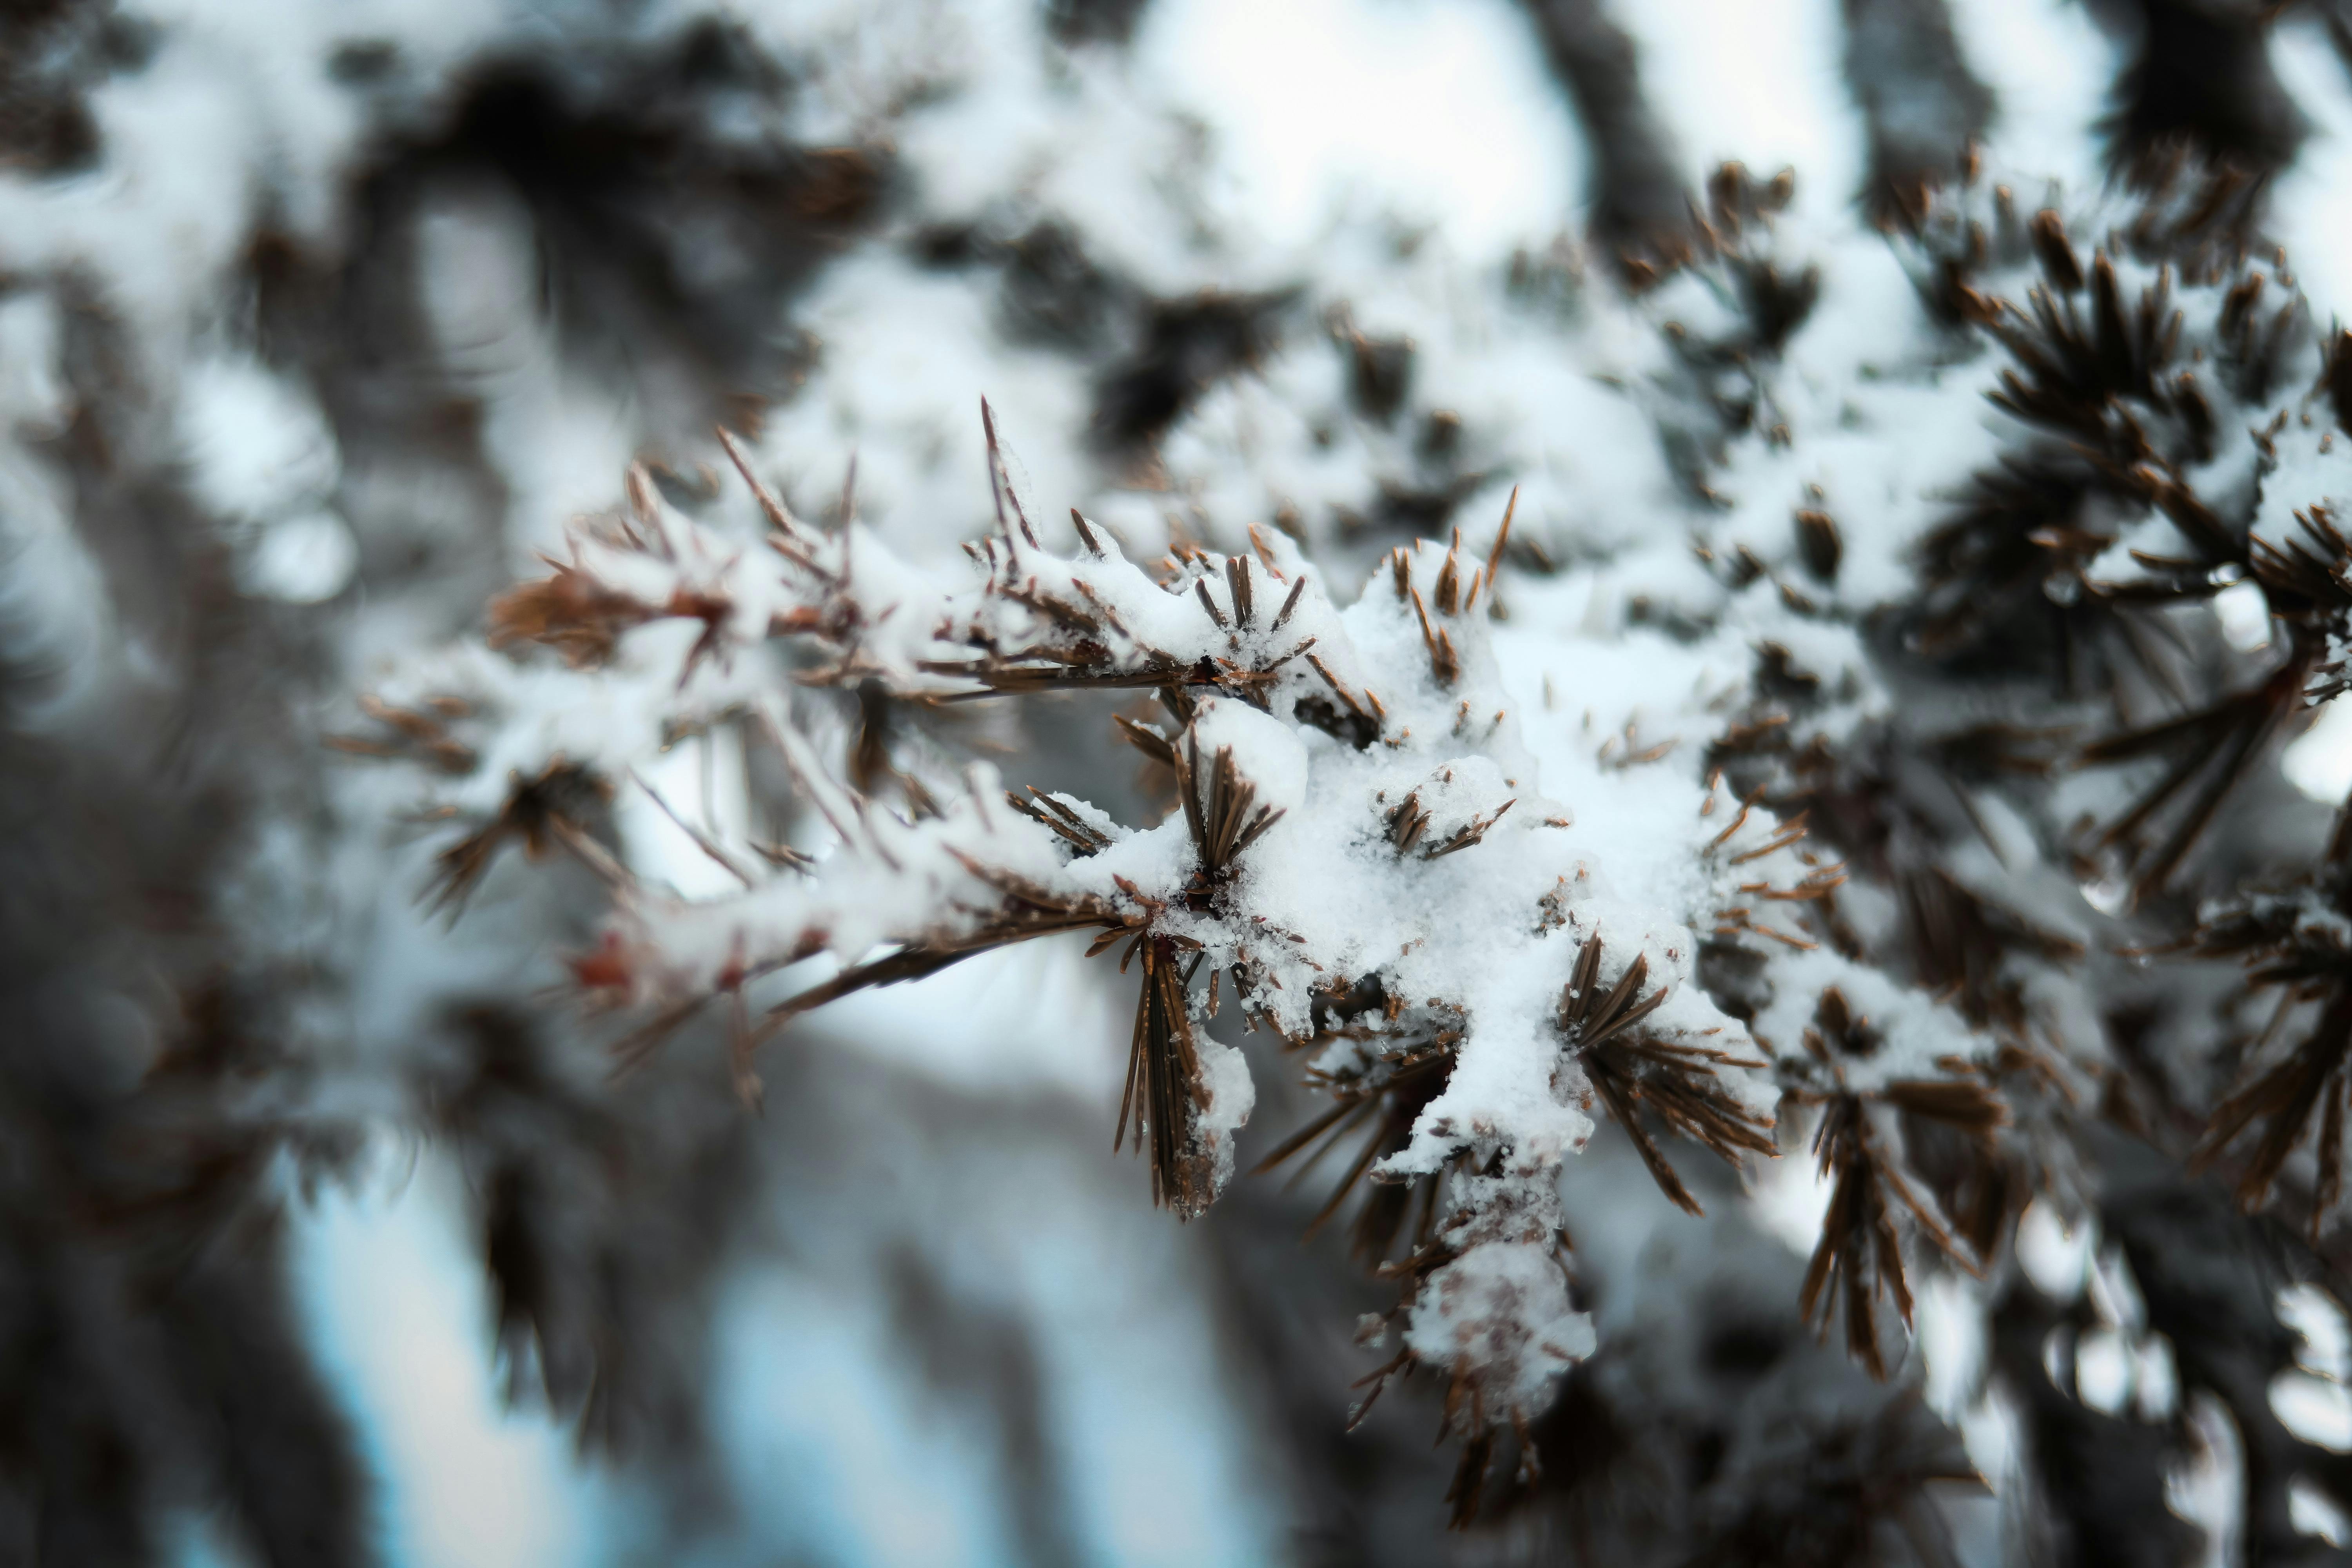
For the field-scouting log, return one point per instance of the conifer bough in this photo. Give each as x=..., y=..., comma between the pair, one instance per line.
x=1745, y=855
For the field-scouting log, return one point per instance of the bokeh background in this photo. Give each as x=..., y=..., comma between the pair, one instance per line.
x=319, y=317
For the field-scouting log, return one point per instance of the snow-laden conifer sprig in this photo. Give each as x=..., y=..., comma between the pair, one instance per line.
x=2153, y=375
x=2184, y=426
x=1859, y=1254
x=1628, y=1071
x=2174, y=432
x=2294, y=942
x=1365, y=866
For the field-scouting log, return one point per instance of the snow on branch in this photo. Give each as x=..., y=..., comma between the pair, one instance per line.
x=1366, y=865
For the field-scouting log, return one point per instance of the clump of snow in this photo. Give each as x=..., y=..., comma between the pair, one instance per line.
x=1266, y=752
x=1503, y=1309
